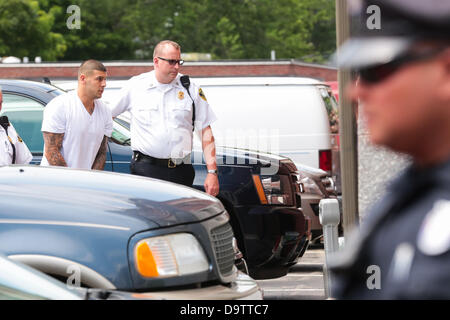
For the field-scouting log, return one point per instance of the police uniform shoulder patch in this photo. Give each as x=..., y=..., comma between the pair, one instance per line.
x=434, y=234
x=201, y=94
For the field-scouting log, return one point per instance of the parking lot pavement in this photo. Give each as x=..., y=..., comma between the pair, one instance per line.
x=303, y=282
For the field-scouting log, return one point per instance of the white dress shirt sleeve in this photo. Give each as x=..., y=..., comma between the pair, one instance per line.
x=204, y=115
x=121, y=102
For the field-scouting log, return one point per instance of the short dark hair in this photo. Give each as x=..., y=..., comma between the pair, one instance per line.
x=90, y=65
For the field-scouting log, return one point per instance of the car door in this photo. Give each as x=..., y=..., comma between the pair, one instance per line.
x=25, y=113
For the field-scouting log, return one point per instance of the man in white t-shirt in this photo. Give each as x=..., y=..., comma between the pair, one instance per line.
x=76, y=125
x=15, y=150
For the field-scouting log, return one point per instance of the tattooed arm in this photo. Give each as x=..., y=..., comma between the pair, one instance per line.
x=100, y=158
x=52, y=147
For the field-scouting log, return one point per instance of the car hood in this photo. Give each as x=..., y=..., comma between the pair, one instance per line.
x=266, y=163
x=245, y=157
x=99, y=199
x=310, y=171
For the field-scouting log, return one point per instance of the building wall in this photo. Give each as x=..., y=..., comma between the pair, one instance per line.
x=124, y=70
x=377, y=167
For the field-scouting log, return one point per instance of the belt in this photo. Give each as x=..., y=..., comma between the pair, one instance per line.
x=169, y=163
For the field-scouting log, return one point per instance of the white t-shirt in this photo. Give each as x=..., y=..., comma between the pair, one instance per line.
x=161, y=115
x=23, y=155
x=83, y=132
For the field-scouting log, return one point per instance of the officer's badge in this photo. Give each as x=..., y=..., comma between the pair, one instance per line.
x=434, y=234
x=19, y=138
x=201, y=94
x=181, y=95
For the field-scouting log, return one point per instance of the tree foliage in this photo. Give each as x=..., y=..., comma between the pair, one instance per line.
x=27, y=31
x=101, y=36
x=130, y=29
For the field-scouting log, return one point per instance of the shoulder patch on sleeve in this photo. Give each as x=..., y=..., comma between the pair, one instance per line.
x=201, y=94
x=434, y=234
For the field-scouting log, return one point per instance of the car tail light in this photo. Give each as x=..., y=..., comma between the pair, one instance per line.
x=325, y=160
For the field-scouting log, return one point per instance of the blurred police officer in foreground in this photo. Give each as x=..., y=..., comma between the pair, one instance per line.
x=15, y=151
x=402, y=250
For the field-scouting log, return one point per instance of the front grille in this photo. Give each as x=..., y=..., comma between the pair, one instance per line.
x=223, y=246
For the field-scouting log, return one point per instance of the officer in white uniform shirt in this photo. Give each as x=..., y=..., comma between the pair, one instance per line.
x=15, y=149
x=77, y=124
x=162, y=121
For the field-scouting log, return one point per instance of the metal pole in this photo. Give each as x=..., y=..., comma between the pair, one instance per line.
x=347, y=130
x=329, y=217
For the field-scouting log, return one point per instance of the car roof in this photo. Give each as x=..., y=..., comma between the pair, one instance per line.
x=9, y=84
x=222, y=81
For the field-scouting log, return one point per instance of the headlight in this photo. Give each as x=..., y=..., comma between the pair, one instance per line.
x=170, y=256
x=309, y=185
x=275, y=189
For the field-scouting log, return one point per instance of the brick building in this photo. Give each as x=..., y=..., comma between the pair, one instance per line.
x=126, y=69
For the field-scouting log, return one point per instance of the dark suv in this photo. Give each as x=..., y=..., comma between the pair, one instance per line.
x=260, y=191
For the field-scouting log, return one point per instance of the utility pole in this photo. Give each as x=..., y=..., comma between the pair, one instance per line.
x=347, y=130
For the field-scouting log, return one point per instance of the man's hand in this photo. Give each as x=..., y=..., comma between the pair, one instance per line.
x=212, y=184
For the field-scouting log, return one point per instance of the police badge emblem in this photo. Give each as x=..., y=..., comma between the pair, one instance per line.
x=181, y=95
x=201, y=94
x=434, y=234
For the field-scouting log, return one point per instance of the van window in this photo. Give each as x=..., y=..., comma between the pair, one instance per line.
x=332, y=109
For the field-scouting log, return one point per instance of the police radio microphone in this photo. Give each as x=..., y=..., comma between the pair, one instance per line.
x=4, y=122
x=185, y=82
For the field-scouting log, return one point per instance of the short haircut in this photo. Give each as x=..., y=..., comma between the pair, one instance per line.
x=90, y=65
x=162, y=44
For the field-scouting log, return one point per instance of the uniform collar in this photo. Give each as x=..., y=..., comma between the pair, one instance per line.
x=437, y=174
x=153, y=83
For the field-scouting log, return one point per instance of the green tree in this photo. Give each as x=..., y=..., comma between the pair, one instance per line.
x=238, y=29
x=321, y=29
x=130, y=29
x=26, y=30
x=102, y=34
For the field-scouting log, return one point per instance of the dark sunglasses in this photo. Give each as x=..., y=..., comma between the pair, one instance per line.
x=172, y=62
x=380, y=72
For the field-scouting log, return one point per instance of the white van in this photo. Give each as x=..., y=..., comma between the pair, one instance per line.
x=291, y=116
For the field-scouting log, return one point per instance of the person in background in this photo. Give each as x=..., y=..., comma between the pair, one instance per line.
x=164, y=112
x=77, y=124
x=15, y=149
